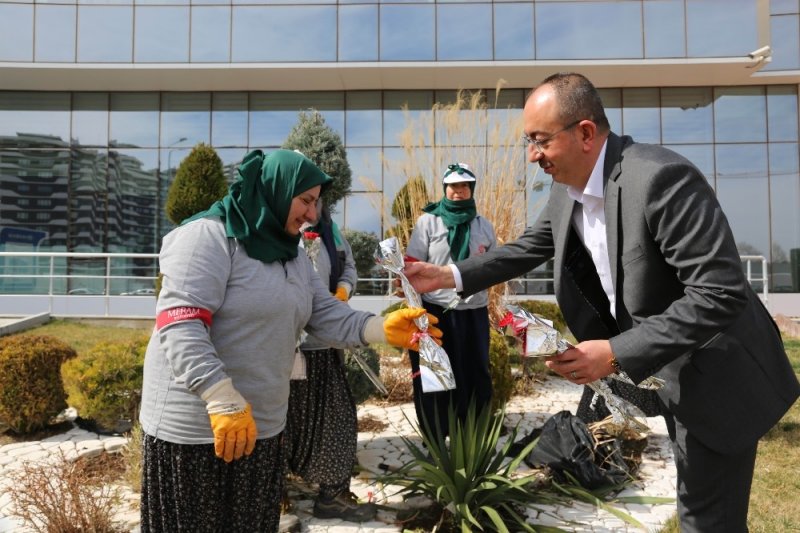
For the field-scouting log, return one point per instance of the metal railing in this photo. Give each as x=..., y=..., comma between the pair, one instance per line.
x=133, y=274
x=763, y=278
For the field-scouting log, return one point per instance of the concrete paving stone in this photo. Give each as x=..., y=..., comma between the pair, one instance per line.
x=89, y=445
x=114, y=446
x=36, y=454
x=23, y=450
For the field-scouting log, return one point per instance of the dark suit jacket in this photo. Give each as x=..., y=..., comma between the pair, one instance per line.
x=684, y=310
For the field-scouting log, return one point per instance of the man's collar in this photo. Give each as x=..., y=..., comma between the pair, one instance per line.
x=594, y=187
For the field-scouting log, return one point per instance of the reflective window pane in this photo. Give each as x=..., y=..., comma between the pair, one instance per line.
x=132, y=201
x=273, y=115
x=231, y=159
x=162, y=34
x=160, y=2
x=272, y=33
x=686, y=115
x=87, y=200
x=134, y=119
x=31, y=119
x=185, y=119
x=742, y=181
x=395, y=42
x=784, y=170
x=740, y=114
x=464, y=32
x=782, y=112
x=105, y=34
x=664, y=29
x=211, y=34
x=366, y=165
x=612, y=102
x=721, y=29
x=504, y=118
x=34, y=203
x=641, y=116
x=90, y=119
x=701, y=156
x=55, y=33
x=358, y=33
x=580, y=30
x=363, y=118
x=229, y=119
x=513, y=31
x=785, y=43
x=403, y=109
x=783, y=7
x=362, y=212
x=16, y=32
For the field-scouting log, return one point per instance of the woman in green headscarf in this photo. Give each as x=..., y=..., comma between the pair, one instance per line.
x=236, y=293
x=448, y=231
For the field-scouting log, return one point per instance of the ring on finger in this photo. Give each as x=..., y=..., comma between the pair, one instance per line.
x=573, y=375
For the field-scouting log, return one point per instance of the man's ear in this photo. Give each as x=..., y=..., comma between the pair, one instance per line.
x=588, y=133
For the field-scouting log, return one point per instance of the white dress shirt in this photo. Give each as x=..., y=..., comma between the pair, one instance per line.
x=589, y=218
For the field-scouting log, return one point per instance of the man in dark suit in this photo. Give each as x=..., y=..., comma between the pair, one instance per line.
x=649, y=280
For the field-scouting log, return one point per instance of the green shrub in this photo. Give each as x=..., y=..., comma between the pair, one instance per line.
x=360, y=385
x=548, y=310
x=31, y=390
x=500, y=359
x=199, y=182
x=105, y=383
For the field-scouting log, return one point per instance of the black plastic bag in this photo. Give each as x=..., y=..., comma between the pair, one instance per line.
x=566, y=445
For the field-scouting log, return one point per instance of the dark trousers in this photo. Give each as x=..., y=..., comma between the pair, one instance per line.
x=713, y=489
x=466, y=340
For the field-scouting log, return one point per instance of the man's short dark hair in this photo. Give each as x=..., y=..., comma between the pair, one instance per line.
x=578, y=99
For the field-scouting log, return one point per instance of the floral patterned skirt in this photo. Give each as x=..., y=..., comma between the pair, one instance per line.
x=321, y=425
x=186, y=488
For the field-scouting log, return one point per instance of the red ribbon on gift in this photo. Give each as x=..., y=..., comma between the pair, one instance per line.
x=518, y=325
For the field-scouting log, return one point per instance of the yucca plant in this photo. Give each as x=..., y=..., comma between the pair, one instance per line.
x=470, y=478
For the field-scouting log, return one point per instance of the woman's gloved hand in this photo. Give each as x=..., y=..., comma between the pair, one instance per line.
x=342, y=293
x=399, y=329
x=231, y=421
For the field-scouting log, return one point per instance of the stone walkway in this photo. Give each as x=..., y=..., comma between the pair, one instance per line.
x=384, y=450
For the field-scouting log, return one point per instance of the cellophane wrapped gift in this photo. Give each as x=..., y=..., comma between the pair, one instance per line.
x=436, y=374
x=540, y=339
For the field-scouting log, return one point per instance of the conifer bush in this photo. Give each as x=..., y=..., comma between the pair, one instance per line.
x=199, y=182
x=31, y=390
x=321, y=144
x=104, y=384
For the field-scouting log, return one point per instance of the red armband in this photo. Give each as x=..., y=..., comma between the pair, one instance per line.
x=179, y=314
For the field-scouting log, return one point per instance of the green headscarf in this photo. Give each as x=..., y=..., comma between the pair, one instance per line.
x=257, y=204
x=456, y=216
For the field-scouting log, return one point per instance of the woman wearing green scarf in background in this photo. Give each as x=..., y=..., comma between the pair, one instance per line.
x=451, y=230
x=236, y=293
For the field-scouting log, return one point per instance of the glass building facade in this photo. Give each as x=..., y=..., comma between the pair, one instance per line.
x=100, y=100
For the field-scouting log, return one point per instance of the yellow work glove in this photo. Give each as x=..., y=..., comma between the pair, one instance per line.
x=399, y=329
x=231, y=421
x=342, y=293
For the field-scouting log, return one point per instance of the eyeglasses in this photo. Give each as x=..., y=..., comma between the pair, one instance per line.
x=540, y=144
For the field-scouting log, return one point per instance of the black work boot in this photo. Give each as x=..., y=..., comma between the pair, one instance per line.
x=345, y=506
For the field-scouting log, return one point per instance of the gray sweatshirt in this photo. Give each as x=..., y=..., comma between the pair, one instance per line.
x=428, y=243
x=258, y=311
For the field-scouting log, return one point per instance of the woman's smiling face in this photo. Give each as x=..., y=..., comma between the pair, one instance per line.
x=303, y=209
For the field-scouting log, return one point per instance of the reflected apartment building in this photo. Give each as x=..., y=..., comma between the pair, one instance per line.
x=100, y=100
